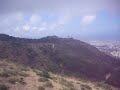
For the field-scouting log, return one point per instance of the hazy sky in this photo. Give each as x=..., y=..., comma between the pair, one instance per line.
x=84, y=19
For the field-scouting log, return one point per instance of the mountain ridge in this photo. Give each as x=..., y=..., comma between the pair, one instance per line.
x=59, y=55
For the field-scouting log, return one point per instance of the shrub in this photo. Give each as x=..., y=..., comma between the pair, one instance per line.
x=35, y=70
x=13, y=80
x=85, y=87
x=104, y=86
x=24, y=68
x=77, y=82
x=23, y=74
x=68, y=88
x=3, y=87
x=48, y=84
x=41, y=88
x=65, y=83
x=9, y=72
x=54, y=78
x=4, y=74
x=43, y=79
x=21, y=81
x=38, y=73
x=44, y=73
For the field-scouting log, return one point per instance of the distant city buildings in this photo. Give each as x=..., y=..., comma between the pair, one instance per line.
x=109, y=47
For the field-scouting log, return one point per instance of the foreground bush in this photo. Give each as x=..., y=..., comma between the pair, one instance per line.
x=41, y=88
x=14, y=80
x=43, y=73
x=48, y=84
x=85, y=87
x=4, y=74
x=43, y=79
x=104, y=86
x=65, y=82
x=67, y=88
x=3, y=87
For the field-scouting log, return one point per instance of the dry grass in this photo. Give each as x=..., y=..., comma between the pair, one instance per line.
x=27, y=79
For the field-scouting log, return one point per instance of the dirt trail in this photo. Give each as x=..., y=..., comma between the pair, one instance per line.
x=31, y=80
x=33, y=83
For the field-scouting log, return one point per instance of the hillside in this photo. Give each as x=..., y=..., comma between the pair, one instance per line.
x=18, y=77
x=64, y=56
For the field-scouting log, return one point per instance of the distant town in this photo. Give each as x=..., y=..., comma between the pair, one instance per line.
x=109, y=47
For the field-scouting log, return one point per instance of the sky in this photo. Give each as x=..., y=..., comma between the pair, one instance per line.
x=81, y=19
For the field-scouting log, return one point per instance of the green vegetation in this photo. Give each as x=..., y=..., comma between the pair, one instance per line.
x=4, y=74
x=104, y=86
x=68, y=88
x=41, y=88
x=43, y=79
x=54, y=78
x=85, y=87
x=23, y=74
x=24, y=68
x=78, y=83
x=21, y=81
x=43, y=73
x=3, y=87
x=14, y=80
x=66, y=83
x=12, y=71
x=48, y=84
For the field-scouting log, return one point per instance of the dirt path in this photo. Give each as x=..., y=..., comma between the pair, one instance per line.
x=32, y=82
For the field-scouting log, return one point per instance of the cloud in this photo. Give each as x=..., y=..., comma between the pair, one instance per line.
x=20, y=24
x=26, y=18
x=88, y=19
x=75, y=6
x=26, y=27
x=35, y=18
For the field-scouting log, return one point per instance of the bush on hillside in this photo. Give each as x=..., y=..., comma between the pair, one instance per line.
x=48, y=84
x=41, y=88
x=3, y=87
x=67, y=88
x=85, y=87
x=21, y=81
x=4, y=74
x=23, y=74
x=44, y=73
x=14, y=80
x=43, y=79
x=104, y=86
x=64, y=82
